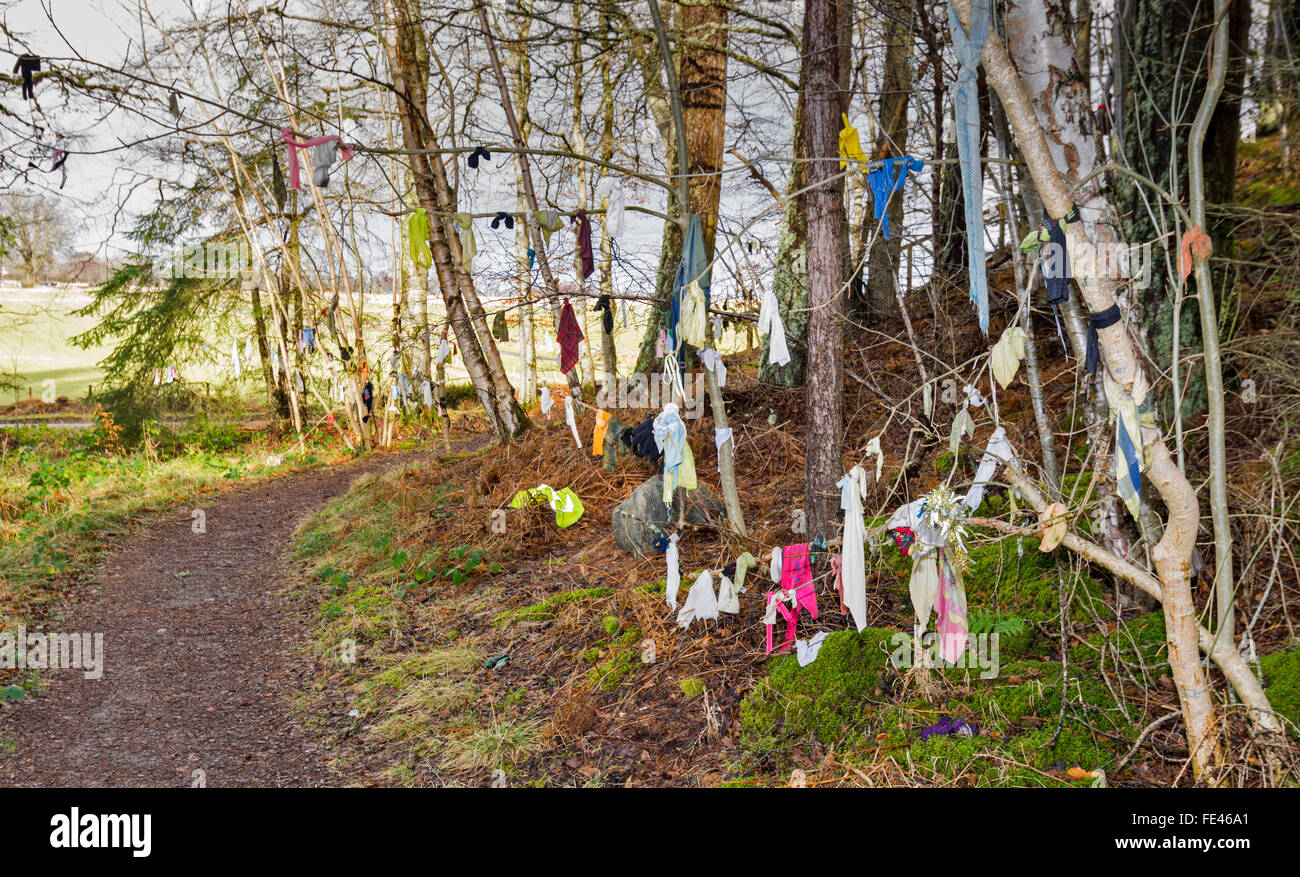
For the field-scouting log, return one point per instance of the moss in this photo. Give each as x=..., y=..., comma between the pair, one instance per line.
x=548, y=608
x=827, y=701
x=1282, y=681
x=610, y=625
x=1138, y=643
x=1026, y=585
x=619, y=661
x=692, y=687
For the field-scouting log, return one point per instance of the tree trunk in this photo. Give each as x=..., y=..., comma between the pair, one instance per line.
x=824, y=425
x=1043, y=50
x=406, y=46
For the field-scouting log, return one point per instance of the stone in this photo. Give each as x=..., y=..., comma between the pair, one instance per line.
x=642, y=517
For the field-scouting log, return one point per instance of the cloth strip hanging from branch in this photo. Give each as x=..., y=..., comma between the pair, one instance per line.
x=967, y=109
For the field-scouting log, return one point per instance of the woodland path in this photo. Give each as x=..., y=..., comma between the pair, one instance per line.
x=199, y=655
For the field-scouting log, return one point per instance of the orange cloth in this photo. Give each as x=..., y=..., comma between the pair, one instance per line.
x=598, y=437
x=1196, y=244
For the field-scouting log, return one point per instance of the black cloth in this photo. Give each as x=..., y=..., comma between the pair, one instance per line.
x=27, y=65
x=479, y=152
x=1102, y=320
x=606, y=306
x=1058, y=286
x=1057, y=283
x=640, y=439
x=503, y=217
x=368, y=397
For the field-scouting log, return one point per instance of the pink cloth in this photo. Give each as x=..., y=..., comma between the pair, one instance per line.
x=950, y=609
x=796, y=568
x=837, y=564
x=286, y=134
x=796, y=575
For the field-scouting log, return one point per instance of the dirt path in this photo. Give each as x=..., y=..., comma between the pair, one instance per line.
x=198, y=656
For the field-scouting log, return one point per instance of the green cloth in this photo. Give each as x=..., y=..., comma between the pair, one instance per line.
x=567, y=506
x=417, y=230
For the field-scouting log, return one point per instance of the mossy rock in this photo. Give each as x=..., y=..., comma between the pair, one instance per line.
x=1282, y=681
x=827, y=701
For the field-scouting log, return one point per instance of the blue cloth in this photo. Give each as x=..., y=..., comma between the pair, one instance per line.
x=967, y=107
x=885, y=178
x=693, y=266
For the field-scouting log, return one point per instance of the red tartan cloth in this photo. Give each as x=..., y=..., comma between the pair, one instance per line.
x=569, y=336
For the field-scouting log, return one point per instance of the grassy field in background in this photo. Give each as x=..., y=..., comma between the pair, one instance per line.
x=36, y=326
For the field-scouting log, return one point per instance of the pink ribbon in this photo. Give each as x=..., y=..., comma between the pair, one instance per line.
x=286, y=134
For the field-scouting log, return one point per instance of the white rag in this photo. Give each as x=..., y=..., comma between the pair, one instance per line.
x=774, y=570
x=806, y=650
x=674, y=574
x=720, y=437
x=999, y=451
x=700, y=603
x=616, y=206
x=547, y=401
x=570, y=419
x=713, y=362
x=728, y=599
x=853, y=572
x=769, y=321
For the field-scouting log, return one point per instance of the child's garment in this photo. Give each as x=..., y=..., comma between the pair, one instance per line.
x=337, y=149
x=569, y=336
x=798, y=591
x=679, y=463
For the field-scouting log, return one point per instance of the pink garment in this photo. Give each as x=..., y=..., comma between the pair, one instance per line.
x=796, y=568
x=950, y=611
x=796, y=576
x=286, y=134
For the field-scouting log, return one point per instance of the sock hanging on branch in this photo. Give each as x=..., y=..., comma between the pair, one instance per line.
x=27, y=65
x=585, y=254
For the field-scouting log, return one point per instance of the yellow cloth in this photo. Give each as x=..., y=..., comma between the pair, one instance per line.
x=850, y=145
x=1006, y=355
x=564, y=502
x=417, y=229
x=685, y=477
x=598, y=437
x=468, y=246
x=692, y=327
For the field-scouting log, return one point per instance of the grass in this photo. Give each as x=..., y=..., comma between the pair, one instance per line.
x=64, y=493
